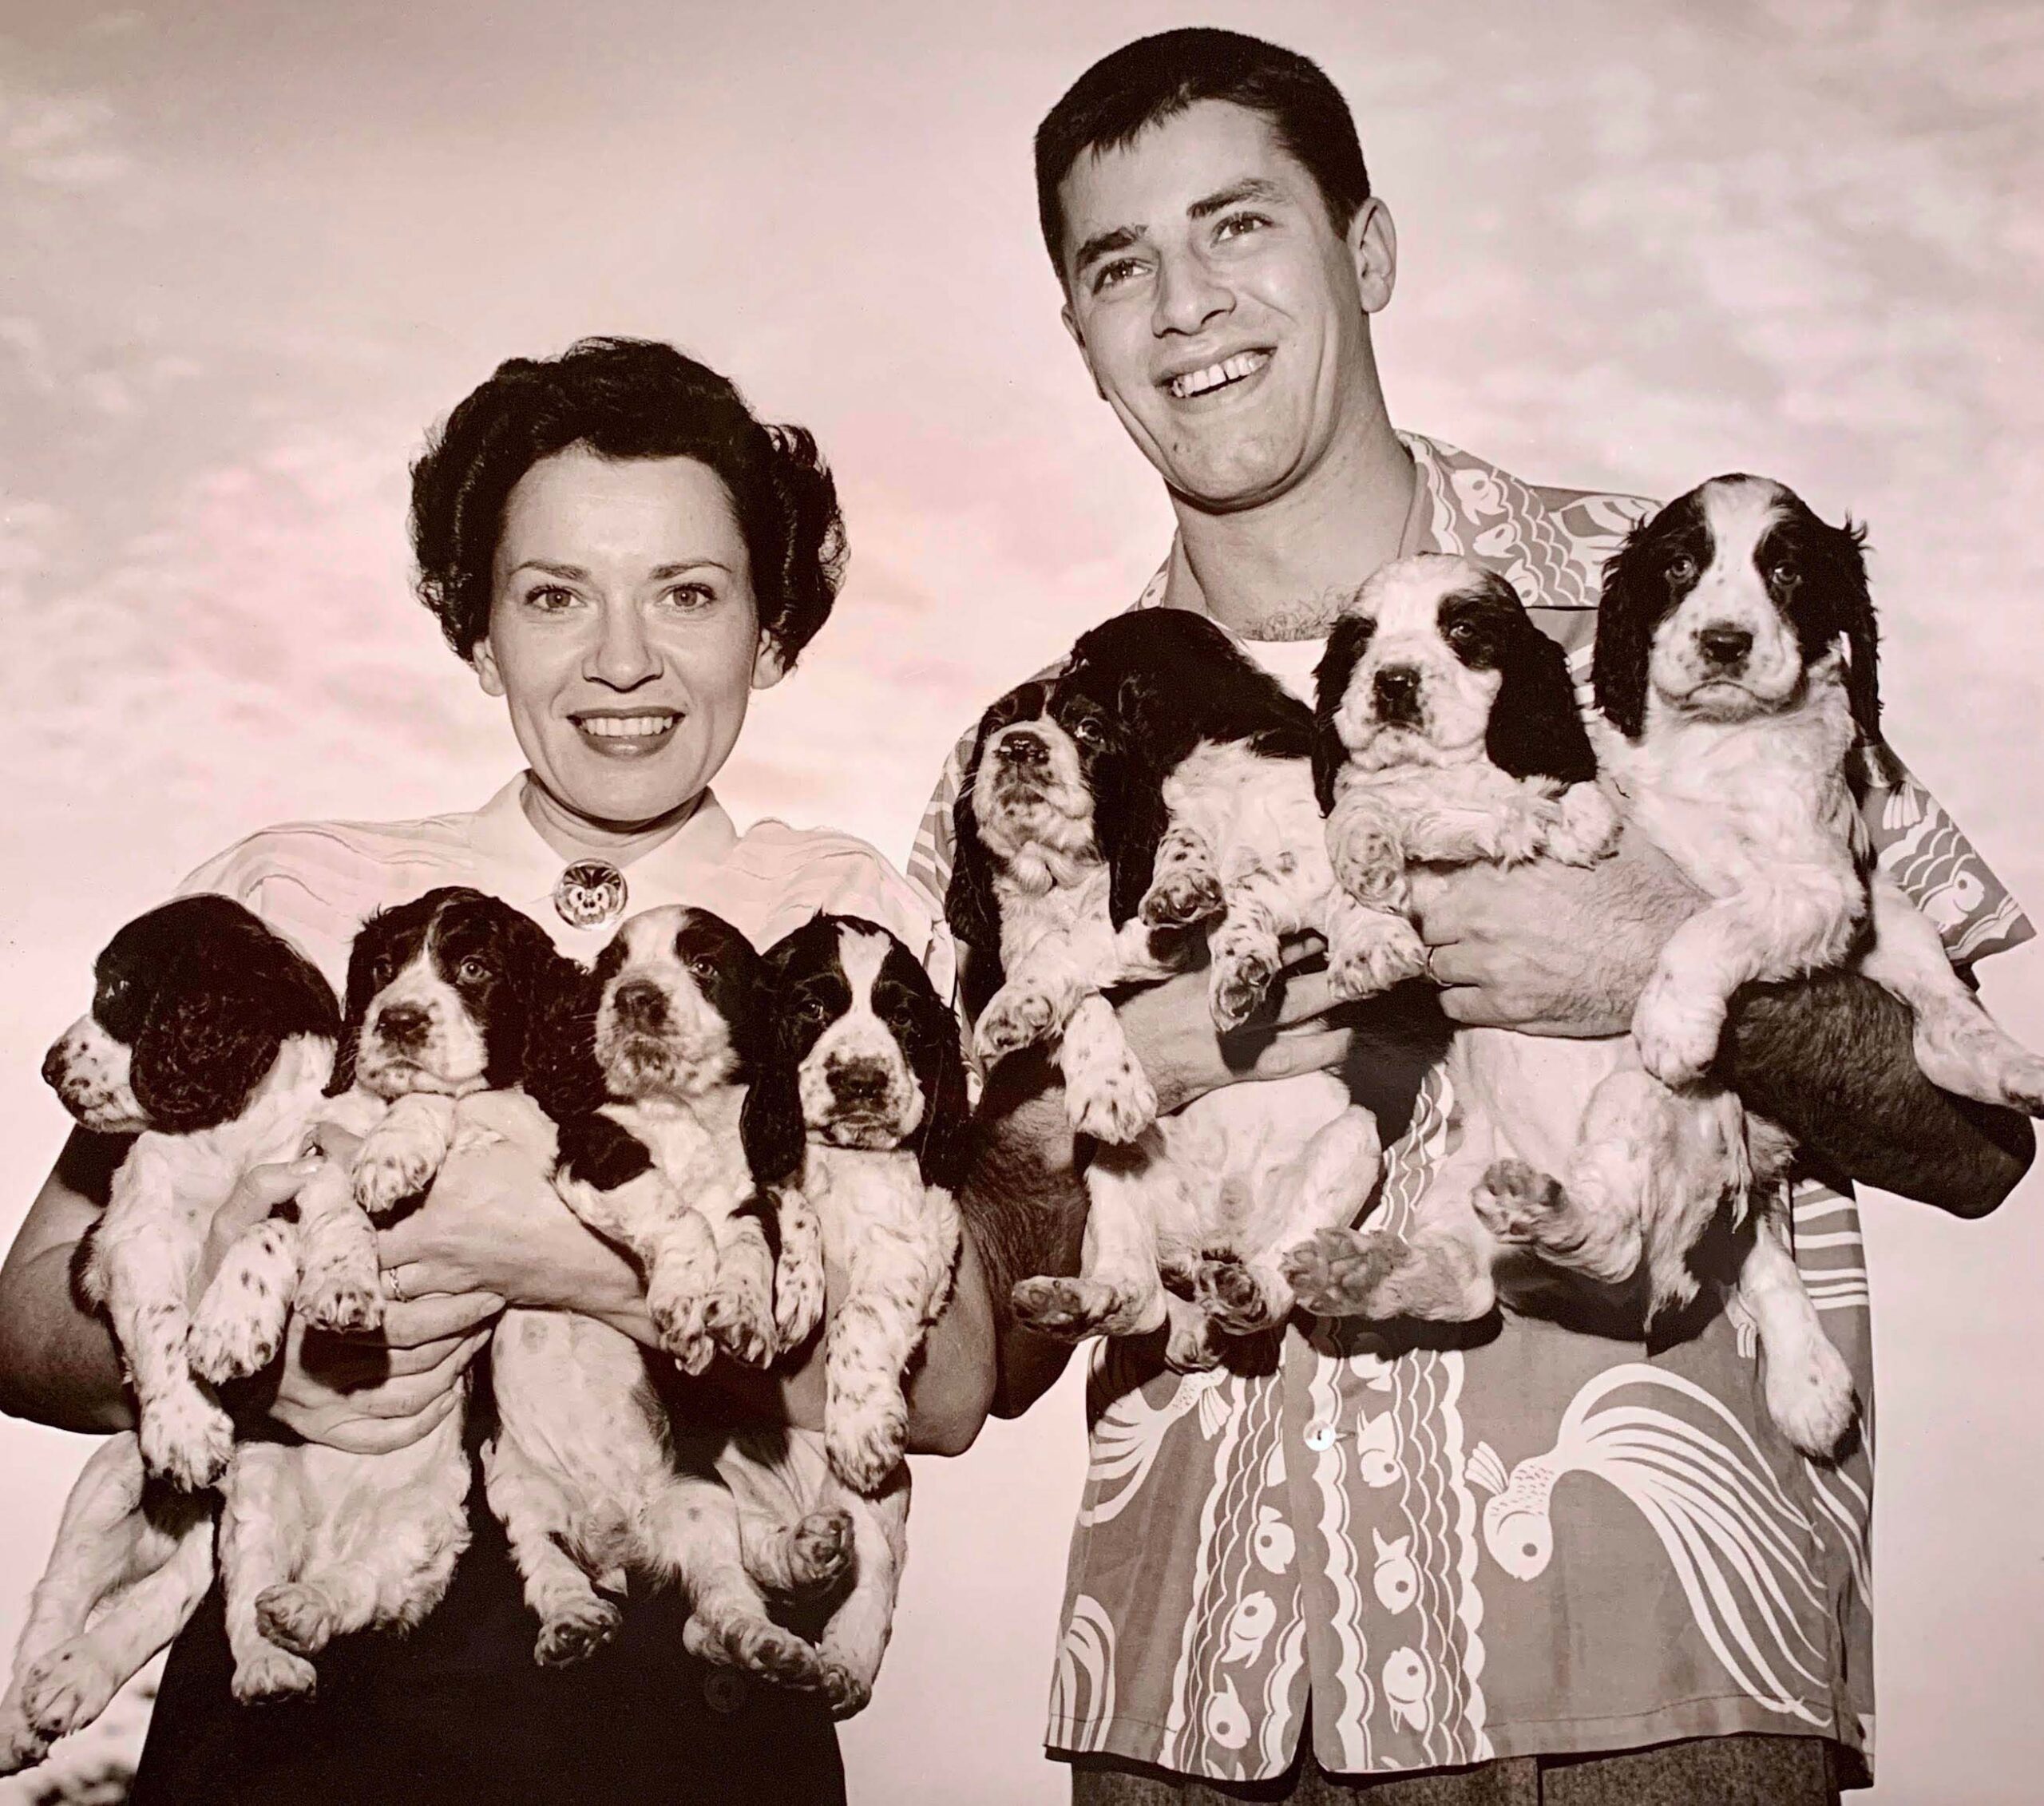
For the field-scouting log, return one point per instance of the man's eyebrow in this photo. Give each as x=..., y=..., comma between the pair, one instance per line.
x=1102, y=244
x=1250, y=188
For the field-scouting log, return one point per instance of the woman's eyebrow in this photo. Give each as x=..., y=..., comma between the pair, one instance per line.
x=661, y=571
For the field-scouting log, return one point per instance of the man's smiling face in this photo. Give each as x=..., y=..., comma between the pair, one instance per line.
x=1221, y=312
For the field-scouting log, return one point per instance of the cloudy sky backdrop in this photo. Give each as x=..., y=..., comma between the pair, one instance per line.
x=248, y=252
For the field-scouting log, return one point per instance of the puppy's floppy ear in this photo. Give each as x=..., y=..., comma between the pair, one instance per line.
x=1129, y=821
x=1845, y=575
x=1634, y=602
x=561, y=1074
x=945, y=1139
x=771, y=1123
x=969, y=906
x=1345, y=647
x=541, y=997
x=1536, y=730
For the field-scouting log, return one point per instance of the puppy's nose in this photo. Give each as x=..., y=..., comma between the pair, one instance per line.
x=402, y=1025
x=1397, y=690
x=858, y=1084
x=639, y=1004
x=1723, y=645
x=53, y=1068
x=1025, y=748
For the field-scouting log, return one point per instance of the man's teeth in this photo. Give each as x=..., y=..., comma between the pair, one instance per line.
x=1198, y=382
x=626, y=727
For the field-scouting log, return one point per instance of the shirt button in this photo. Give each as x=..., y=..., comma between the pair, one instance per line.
x=1320, y=1437
x=723, y=1691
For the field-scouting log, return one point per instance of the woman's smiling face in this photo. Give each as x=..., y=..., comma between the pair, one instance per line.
x=623, y=631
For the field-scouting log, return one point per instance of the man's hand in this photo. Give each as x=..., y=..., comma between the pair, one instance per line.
x=368, y=1395
x=1171, y=1029
x=1550, y=948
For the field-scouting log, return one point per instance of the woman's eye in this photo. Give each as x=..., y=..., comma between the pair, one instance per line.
x=689, y=598
x=1681, y=567
x=550, y=599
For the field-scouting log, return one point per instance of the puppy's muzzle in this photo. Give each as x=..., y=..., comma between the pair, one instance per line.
x=639, y=1007
x=1025, y=752
x=55, y=1069
x=403, y=1027
x=1395, y=694
x=1723, y=646
x=860, y=1087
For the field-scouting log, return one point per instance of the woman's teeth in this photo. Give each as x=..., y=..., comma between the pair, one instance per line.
x=1233, y=370
x=626, y=727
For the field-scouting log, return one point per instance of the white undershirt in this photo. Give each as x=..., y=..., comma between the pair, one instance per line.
x=1291, y=662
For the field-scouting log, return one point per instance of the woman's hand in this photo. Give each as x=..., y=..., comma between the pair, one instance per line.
x=256, y=1194
x=368, y=1395
x=492, y=1223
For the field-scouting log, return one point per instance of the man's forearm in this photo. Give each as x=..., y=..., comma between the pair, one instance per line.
x=1026, y=1209
x=1830, y=1059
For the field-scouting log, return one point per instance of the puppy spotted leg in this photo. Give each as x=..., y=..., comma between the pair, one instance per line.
x=1800, y=919
x=1371, y=945
x=608, y=1179
x=897, y=1284
x=739, y=1313
x=574, y=1620
x=1243, y=948
x=1184, y=887
x=1107, y=1093
x=1117, y=1291
x=1043, y=986
x=239, y=1326
x=399, y=1156
x=342, y=1288
x=1514, y=830
x=1808, y=1385
x=692, y=1526
x=262, y=1531
x=855, y=1639
x=1959, y=1046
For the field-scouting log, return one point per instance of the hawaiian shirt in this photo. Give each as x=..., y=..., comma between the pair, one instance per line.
x=1552, y=1542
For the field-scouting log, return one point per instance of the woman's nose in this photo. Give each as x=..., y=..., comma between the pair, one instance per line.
x=624, y=656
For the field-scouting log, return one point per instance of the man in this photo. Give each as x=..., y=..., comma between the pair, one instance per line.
x=1542, y=1565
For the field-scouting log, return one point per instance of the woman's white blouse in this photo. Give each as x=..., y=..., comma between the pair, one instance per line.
x=316, y=882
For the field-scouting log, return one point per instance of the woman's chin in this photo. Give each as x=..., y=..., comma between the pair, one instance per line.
x=628, y=793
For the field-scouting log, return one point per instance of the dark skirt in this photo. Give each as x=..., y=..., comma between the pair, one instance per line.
x=459, y=1711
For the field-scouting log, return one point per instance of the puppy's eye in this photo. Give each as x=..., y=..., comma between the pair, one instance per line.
x=1682, y=568
x=1458, y=633
x=1089, y=732
x=702, y=967
x=1784, y=574
x=471, y=971
x=812, y=1009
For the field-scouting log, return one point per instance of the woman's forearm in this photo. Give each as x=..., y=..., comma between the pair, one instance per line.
x=58, y=1364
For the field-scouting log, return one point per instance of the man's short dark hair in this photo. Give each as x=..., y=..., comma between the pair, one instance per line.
x=1157, y=78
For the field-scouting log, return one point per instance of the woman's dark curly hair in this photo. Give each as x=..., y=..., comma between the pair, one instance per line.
x=624, y=398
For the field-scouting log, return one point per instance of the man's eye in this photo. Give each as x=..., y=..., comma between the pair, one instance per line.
x=1119, y=270
x=1235, y=225
x=1682, y=568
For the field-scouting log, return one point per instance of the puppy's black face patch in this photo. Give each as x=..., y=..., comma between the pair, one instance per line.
x=1482, y=626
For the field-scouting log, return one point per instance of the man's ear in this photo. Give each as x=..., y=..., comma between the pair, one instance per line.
x=770, y=664
x=1372, y=242
x=487, y=675
x=1079, y=338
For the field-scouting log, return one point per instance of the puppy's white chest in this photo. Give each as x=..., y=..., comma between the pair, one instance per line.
x=861, y=1192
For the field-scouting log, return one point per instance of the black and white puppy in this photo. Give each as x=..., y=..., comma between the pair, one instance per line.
x=1738, y=682
x=661, y=1169
x=211, y=1038
x=1161, y=779
x=1446, y=732
x=860, y=1101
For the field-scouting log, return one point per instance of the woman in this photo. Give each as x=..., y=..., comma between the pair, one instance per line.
x=623, y=553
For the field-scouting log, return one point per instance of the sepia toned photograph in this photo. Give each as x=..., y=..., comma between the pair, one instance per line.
x=1117, y=904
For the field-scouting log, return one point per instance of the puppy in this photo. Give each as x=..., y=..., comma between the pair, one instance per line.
x=660, y=1169
x=1162, y=779
x=859, y=1100
x=211, y=1038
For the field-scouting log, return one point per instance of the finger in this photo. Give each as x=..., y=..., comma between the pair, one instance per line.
x=405, y=1395
x=1473, y=1008
x=422, y=1358
x=411, y=1322
x=1455, y=963
x=1317, y=1050
x=385, y=1435
x=1306, y=995
x=335, y=1143
x=403, y=1243
x=261, y=1189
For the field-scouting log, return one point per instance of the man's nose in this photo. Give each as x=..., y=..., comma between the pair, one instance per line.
x=623, y=655
x=1025, y=748
x=1723, y=644
x=1188, y=296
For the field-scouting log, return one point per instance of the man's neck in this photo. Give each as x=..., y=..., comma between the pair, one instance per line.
x=1285, y=570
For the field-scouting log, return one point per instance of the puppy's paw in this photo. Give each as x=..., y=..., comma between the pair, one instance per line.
x=1232, y=1292
x=1069, y=1309
x=1109, y=1096
x=820, y=1549
x=868, y=1447
x=1369, y=952
x=295, y=1617
x=576, y=1633
x=1676, y=1029
x=346, y=1303
x=1338, y=1271
x=1518, y=1202
x=186, y=1438
x=65, y=1691
x=272, y=1674
x=680, y=1310
x=390, y=1169
x=1182, y=896
x=1587, y=830
x=798, y=1287
x=1191, y=1345
x=1015, y=1018
x=729, y=1635
x=20, y=1747
x=223, y=1345
x=844, y=1692
x=1239, y=981
x=1811, y=1400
